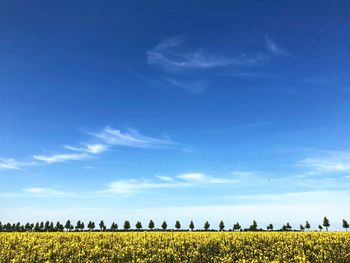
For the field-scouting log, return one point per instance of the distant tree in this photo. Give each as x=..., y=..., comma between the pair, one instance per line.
x=151, y=225
x=191, y=226
x=1, y=227
x=102, y=226
x=67, y=225
x=164, y=225
x=302, y=228
x=42, y=226
x=221, y=225
x=326, y=223
x=345, y=224
x=253, y=226
x=320, y=227
x=206, y=225
x=37, y=227
x=138, y=225
x=114, y=227
x=270, y=227
x=51, y=227
x=307, y=225
x=288, y=226
x=78, y=226
x=236, y=226
x=127, y=225
x=26, y=227
x=91, y=225
x=47, y=226
x=177, y=225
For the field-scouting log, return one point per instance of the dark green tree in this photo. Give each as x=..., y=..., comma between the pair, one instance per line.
x=270, y=227
x=236, y=227
x=326, y=223
x=307, y=225
x=1, y=227
x=102, y=226
x=221, y=225
x=127, y=225
x=191, y=226
x=345, y=224
x=206, y=226
x=320, y=227
x=114, y=227
x=253, y=226
x=68, y=225
x=164, y=225
x=288, y=226
x=138, y=225
x=151, y=225
x=177, y=225
x=302, y=228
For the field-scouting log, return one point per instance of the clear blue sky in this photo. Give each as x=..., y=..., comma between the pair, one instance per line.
x=208, y=110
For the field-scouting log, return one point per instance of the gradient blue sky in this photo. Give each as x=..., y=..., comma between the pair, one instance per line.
x=208, y=110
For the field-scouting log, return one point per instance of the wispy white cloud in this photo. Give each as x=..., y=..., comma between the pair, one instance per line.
x=10, y=164
x=13, y=164
x=89, y=148
x=106, y=138
x=327, y=162
x=59, y=158
x=46, y=192
x=275, y=49
x=195, y=87
x=171, y=54
x=131, y=186
x=131, y=138
x=201, y=178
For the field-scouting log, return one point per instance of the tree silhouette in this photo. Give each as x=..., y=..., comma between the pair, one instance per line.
x=151, y=225
x=253, y=226
x=191, y=226
x=320, y=227
x=326, y=223
x=102, y=226
x=270, y=227
x=66, y=226
x=236, y=226
x=177, y=225
x=221, y=225
x=138, y=225
x=114, y=227
x=288, y=226
x=127, y=225
x=164, y=225
x=206, y=225
x=302, y=228
x=345, y=224
x=307, y=225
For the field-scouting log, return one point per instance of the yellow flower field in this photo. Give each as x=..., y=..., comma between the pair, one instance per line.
x=175, y=247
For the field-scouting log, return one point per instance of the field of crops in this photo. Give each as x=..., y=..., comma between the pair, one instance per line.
x=175, y=247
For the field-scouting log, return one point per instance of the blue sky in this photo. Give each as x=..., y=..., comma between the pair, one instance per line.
x=233, y=110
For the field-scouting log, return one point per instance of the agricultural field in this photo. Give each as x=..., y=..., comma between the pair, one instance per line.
x=176, y=247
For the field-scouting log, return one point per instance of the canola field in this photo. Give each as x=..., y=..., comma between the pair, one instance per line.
x=176, y=247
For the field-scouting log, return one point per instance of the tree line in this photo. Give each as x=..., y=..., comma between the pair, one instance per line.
x=91, y=226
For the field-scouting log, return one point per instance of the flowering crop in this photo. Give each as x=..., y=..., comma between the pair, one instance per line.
x=175, y=247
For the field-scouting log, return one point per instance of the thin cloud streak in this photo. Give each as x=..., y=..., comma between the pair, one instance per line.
x=275, y=49
x=131, y=138
x=171, y=54
x=132, y=186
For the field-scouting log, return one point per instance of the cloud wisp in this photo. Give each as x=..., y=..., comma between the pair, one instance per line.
x=106, y=138
x=272, y=47
x=131, y=138
x=327, y=162
x=46, y=192
x=132, y=186
x=172, y=54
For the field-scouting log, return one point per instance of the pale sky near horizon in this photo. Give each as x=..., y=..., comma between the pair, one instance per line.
x=208, y=110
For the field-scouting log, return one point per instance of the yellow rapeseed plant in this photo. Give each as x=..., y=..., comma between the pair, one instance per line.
x=176, y=247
